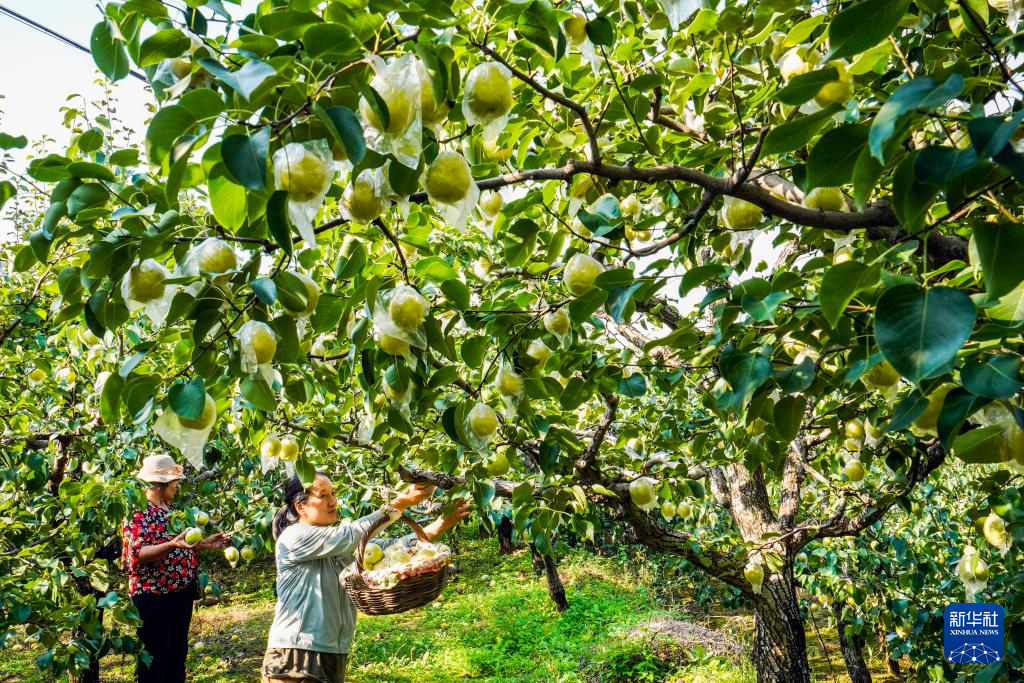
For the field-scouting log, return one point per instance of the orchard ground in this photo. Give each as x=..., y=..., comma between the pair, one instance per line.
x=495, y=622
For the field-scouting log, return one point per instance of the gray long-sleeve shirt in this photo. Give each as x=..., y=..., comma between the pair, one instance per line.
x=313, y=611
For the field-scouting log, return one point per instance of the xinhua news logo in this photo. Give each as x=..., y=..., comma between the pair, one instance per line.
x=973, y=633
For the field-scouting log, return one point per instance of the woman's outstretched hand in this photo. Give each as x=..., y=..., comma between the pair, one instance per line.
x=439, y=526
x=414, y=494
x=217, y=540
x=179, y=542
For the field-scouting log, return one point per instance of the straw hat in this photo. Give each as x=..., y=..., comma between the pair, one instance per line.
x=160, y=469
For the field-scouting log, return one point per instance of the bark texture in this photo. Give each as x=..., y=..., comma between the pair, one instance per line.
x=852, y=646
x=547, y=564
x=780, y=647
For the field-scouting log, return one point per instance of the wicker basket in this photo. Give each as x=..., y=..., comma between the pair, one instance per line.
x=407, y=594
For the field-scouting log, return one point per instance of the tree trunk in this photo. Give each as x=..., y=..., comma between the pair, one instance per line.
x=555, y=588
x=890, y=663
x=780, y=647
x=852, y=647
x=505, y=544
x=92, y=674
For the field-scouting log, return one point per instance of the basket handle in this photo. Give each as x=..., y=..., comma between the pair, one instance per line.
x=361, y=548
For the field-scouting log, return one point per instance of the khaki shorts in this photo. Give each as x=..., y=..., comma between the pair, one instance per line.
x=307, y=666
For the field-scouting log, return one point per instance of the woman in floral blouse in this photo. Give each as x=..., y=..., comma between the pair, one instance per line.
x=163, y=574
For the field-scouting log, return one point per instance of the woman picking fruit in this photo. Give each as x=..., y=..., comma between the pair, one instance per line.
x=163, y=572
x=315, y=619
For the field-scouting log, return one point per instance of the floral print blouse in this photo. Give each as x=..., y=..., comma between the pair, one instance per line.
x=174, y=572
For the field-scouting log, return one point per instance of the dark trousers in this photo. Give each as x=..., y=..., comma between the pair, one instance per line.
x=164, y=634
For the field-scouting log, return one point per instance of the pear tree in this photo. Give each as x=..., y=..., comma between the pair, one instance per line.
x=777, y=243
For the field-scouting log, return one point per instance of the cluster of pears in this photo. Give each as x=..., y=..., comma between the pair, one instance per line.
x=802, y=59
x=483, y=421
x=408, y=310
x=580, y=273
x=214, y=256
x=643, y=495
x=275, y=447
x=195, y=534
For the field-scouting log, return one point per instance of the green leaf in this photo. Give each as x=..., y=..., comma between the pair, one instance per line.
x=919, y=330
x=473, y=351
x=744, y=372
x=85, y=197
x=616, y=277
x=344, y=126
x=802, y=88
x=348, y=266
x=7, y=190
x=921, y=94
x=188, y=399
x=163, y=45
x=906, y=412
x=291, y=291
x=584, y=306
x=227, y=199
x=329, y=40
x=245, y=158
x=866, y=173
x=457, y=293
x=1000, y=246
x=547, y=458
x=13, y=142
x=699, y=275
x=841, y=283
x=91, y=140
x=832, y=161
x=108, y=52
x=999, y=378
x=633, y=386
x=450, y=422
x=110, y=399
x=601, y=32
x=266, y=290
x=958, y=405
x=939, y=165
x=796, y=134
x=862, y=25
x=87, y=169
x=256, y=391
x=278, y=222
x=788, y=415
x=245, y=80
x=619, y=298
x=796, y=378
x=40, y=244
x=519, y=242
x=980, y=446
x=305, y=471
x=911, y=198
x=762, y=309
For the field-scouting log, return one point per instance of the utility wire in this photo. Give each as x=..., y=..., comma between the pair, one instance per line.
x=62, y=38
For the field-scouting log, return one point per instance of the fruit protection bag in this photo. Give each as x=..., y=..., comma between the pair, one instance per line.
x=384, y=323
x=398, y=84
x=305, y=170
x=156, y=307
x=189, y=441
x=251, y=335
x=492, y=127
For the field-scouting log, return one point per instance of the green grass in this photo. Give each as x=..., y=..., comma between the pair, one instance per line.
x=494, y=622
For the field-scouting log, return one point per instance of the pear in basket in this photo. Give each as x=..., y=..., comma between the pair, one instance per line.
x=372, y=555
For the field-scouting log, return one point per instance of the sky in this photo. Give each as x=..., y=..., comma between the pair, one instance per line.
x=40, y=72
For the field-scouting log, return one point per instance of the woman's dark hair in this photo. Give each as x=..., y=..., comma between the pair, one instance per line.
x=294, y=493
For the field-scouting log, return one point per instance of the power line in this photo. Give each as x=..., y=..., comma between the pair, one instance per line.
x=62, y=38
